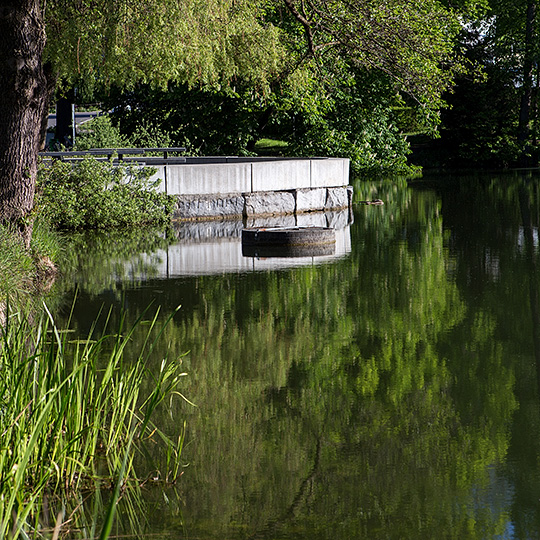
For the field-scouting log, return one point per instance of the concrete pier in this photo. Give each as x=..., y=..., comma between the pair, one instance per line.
x=233, y=187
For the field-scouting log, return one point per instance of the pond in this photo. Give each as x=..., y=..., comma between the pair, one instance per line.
x=389, y=390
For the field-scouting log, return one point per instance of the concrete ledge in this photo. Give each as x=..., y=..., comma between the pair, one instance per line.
x=219, y=175
x=208, y=179
x=280, y=175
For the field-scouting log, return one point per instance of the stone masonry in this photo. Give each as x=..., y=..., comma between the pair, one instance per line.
x=262, y=203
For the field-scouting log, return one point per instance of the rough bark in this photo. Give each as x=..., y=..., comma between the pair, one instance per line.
x=22, y=106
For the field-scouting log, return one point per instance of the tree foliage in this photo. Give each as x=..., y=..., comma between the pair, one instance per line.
x=125, y=42
x=357, y=116
x=410, y=42
x=328, y=78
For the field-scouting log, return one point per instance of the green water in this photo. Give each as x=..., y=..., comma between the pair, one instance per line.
x=391, y=392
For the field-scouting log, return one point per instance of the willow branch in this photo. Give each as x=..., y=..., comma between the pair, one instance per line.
x=305, y=23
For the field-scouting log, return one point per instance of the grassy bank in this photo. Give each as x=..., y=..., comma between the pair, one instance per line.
x=23, y=272
x=72, y=417
x=75, y=416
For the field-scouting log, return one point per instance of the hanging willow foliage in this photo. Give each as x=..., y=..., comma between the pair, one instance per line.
x=193, y=41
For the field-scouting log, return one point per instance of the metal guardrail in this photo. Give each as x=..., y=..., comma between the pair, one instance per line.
x=138, y=156
x=120, y=153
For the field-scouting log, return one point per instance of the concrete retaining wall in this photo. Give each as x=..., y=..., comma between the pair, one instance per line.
x=227, y=187
x=224, y=175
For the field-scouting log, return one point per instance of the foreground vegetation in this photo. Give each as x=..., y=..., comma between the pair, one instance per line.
x=25, y=272
x=76, y=415
x=74, y=418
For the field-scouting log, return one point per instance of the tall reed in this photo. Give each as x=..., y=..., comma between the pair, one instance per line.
x=68, y=411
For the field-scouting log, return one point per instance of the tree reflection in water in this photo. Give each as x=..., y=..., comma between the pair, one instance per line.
x=388, y=394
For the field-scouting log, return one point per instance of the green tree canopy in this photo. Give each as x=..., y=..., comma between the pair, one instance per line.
x=410, y=42
x=191, y=41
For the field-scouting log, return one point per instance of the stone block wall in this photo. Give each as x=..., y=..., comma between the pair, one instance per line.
x=262, y=203
x=230, y=187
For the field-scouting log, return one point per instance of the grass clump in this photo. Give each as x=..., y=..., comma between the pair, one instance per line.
x=15, y=262
x=72, y=415
x=96, y=194
x=24, y=272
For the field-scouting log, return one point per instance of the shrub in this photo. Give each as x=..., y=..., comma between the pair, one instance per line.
x=95, y=195
x=147, y=135
x=100, y=133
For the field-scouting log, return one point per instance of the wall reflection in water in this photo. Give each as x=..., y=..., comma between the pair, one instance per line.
x=215, y=247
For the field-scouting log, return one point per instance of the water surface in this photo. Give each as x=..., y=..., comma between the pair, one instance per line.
x=387, y=391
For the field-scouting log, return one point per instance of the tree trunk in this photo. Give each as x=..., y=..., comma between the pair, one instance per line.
x=23, y=90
